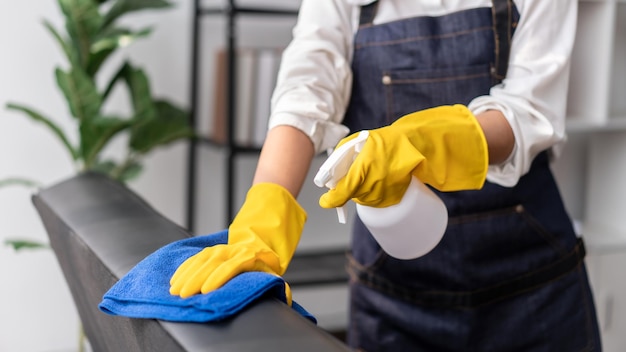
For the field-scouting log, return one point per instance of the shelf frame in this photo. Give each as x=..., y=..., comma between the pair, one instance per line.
x=231, y=12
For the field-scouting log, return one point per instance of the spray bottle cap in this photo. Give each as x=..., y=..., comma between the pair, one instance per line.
x=337, y=166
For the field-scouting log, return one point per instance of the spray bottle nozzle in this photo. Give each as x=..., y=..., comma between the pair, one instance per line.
x=337, y=166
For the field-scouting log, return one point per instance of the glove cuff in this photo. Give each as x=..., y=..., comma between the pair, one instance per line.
x=267, y=193
x=273, y=216
x=459, y=159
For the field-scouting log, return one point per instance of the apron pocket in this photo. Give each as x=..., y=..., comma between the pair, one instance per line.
x=408, y=91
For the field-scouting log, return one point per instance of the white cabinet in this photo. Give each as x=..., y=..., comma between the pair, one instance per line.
x=592, y=170
x=606, y=275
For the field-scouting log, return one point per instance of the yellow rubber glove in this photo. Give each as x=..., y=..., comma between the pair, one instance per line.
x=444, y=147
x=263, y=237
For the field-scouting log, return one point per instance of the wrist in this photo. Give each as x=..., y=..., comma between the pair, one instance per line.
x=498, y=134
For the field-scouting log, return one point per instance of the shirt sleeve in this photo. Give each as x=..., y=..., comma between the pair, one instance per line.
x=533, y=95
x=314, y=81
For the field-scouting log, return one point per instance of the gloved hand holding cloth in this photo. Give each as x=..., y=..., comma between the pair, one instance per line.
x=443, y=147
x=262, y=237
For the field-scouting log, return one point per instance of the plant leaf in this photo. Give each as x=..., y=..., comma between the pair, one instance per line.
x=56, y=130
x=117, y=38
x=120, y=74
x=139, y=87
x=95, y=134
x=80, y=92
x=171, y=123
x=19, y=181
x=67, y=48
x=123, y=7
x=82, y=21
x=129, y=171
x=20, y=244
x=104, y=167
x=106, y=43
x=96, y=60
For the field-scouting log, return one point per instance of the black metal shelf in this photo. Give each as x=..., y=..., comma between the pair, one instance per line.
x=239, y=149
x=323, y=267
x=246, y=10
x=231, y=13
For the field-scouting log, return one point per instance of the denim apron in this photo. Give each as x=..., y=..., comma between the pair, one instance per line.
x=509, y=273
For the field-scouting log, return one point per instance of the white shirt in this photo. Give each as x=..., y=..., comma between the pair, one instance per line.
x=314, y=81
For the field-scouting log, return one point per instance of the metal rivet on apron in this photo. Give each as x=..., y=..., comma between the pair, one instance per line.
x=519, y=208
x=386, y=80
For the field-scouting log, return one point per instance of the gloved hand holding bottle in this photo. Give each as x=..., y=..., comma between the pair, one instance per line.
x=262, y=237
x=443, y=147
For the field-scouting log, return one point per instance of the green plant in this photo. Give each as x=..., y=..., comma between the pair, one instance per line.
x=92, y=36
x=18, y=181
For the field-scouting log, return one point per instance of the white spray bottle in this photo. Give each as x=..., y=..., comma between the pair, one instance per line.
x=406, y=230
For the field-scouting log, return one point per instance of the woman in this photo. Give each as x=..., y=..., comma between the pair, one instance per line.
x=467, y=95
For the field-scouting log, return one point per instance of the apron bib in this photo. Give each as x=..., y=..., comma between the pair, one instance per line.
x=508, y=274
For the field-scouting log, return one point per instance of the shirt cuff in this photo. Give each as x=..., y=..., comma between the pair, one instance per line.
x=323, y=134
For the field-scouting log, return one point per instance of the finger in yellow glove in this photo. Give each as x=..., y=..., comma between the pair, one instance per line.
x=262, y=237
x=443, y=146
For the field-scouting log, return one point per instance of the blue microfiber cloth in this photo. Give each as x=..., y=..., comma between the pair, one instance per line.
x=144, y=291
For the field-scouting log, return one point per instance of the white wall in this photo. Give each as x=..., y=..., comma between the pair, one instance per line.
x=36, y=309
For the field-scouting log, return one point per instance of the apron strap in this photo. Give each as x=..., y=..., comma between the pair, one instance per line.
x=472, y=299
x=503, y=25
x=368, y=12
